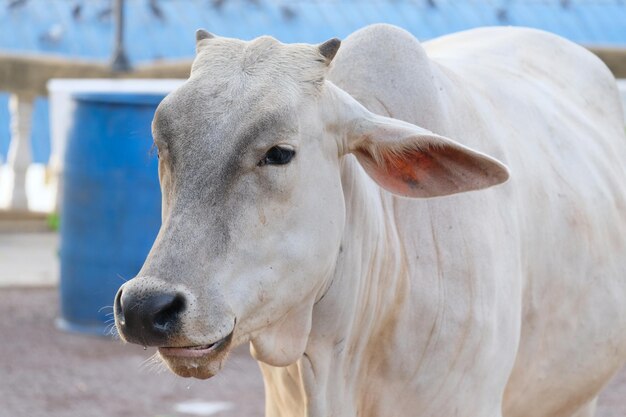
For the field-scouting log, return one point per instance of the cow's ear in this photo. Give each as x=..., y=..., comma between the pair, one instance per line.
x=410, y=161
x=329, y=49
x=201, y=37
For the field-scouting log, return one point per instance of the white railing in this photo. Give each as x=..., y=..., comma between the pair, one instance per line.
x=19, y=156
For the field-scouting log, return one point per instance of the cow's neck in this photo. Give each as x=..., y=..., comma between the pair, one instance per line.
x=354, y=321
x=358, y=309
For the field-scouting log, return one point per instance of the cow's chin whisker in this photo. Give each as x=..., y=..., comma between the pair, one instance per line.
x=154, y=364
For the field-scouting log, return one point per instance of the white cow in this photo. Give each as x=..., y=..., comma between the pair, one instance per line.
x=285, y=224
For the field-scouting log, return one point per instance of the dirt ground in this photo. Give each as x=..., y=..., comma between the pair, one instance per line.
x=46, y=372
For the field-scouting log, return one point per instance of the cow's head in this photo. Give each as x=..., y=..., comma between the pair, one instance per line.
x=250, y=151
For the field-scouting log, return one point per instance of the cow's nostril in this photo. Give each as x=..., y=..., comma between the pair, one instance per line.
x=149, y=319
x=169, y=312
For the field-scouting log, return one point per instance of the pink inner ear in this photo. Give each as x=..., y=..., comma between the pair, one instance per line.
x=414, y=172
x=411, y=167
x=438, y=170
x=406, y=173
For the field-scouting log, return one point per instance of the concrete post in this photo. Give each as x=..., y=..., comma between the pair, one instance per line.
x=20, y=155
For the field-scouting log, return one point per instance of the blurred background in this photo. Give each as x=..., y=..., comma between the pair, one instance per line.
x=79, y=196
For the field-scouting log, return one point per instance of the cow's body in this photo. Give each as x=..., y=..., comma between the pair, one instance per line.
x=502, y=302
x=430, y=295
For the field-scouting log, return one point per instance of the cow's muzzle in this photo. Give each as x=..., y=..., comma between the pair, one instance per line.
x=148, y=319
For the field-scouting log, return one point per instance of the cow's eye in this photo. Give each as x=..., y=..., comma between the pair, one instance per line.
x=277, y=155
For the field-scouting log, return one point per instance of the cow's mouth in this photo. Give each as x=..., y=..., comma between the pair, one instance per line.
x=196, y=351
x=198, y=361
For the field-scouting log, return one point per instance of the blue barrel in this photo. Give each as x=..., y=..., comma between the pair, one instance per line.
x=111, y=205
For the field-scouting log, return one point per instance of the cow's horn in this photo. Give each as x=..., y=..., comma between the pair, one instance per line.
x=329, y=49
x=203, y=34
